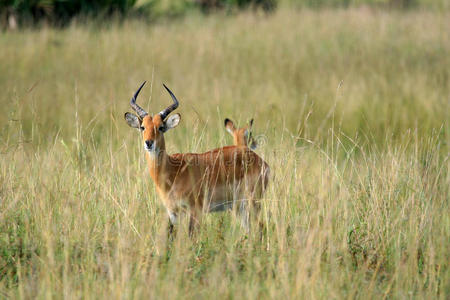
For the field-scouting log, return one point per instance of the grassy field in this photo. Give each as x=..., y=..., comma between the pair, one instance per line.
x=351, y=109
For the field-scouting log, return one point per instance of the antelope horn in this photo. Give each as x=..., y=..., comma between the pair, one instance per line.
x=139, y=110
x=164, y=113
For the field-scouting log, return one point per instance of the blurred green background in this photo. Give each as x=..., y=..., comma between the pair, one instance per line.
x=61, y=12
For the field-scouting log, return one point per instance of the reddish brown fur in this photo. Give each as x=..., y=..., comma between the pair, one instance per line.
x=241, y=136
x=203, y=182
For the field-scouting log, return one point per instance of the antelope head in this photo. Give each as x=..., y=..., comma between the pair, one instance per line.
x=241, y=136
x=153, y=128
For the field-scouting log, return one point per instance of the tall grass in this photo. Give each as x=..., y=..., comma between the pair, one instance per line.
x=352, y=109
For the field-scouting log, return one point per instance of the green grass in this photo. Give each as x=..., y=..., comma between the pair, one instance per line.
x=352, y=107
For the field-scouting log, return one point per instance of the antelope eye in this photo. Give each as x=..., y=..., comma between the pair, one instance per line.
x=161, y=128
x=142, y=128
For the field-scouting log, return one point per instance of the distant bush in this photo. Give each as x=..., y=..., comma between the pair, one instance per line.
x=266, y=5
x=59, y=11
x=152, y=9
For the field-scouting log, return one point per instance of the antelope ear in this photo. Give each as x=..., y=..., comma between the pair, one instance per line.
x=229, y=125
x=132, y=120
x=172, y=121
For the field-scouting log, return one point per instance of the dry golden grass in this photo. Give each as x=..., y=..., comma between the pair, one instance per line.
x=352, y=108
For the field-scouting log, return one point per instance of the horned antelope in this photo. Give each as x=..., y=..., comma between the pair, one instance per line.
x=241, y=136
x=198, y=183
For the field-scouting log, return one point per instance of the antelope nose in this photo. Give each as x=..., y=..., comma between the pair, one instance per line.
x=149, y=144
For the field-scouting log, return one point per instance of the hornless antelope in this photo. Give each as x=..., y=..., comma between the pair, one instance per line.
x=242, y=136
x=198, y=183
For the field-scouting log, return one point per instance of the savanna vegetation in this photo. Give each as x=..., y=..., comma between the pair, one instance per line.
x=351, y=112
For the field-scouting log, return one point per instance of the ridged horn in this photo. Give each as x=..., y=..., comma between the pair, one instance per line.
x=164, y=113
x=139, y=110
